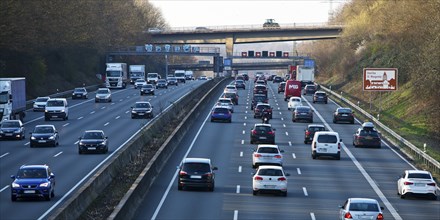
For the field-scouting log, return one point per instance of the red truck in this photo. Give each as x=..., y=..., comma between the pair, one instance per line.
x=293, y=88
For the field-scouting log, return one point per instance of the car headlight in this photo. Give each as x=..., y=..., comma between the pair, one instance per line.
x=1, y=132
x=33, y=138
x=17, y=131
x=133, y=111
x=81, y=143
x=46, y=184
x=35, y=105
x=15, y=185
x=52, y=138
x=102, y=143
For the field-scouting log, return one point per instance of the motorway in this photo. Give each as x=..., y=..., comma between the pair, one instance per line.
x=70, y=168
x=315, y=187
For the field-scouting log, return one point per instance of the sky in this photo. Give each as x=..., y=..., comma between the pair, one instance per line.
x=206, y=13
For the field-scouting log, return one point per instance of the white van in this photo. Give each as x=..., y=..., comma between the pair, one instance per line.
x=326, y=143
x=152, y=78
x=56, y=108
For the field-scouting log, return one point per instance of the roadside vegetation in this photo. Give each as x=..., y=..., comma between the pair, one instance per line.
x=390, y=34
x=62, y=44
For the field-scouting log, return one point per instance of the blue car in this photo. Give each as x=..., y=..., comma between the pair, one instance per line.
x=221, y=114
x=33, y=181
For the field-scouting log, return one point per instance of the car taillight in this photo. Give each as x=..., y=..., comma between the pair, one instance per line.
x=271, y=132
x=208, y=175
x=339, y=146
x=380, y=216
x=257, y=155
x=257, y=110
x=431, y=184
x=348, y=215
x=282, y=179
x=307, y=133
x=258, y=178
x=408, y=183
x=314, y=145
x=183, y=173
x=278, y=156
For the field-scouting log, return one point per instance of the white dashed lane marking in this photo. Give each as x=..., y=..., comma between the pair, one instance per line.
x=65, y=124
x=5, y=154
x=56, y=155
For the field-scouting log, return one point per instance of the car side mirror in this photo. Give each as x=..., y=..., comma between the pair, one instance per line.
x=13, y=177
x=282, y=151
x=340, y=140
x=340, y=206
x=287, y=174
x=215, y=168
x=382, y=208
x=52, y=176
x=274, y=129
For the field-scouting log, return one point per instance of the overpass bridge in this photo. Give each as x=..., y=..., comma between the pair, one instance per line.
x=230, y=35
x=273, y=65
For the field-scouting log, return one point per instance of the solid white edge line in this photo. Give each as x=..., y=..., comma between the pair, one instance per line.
x=372, y=183
x=159, y=206
x=235, y=214
x=312, y=216
x=4, y=188
x=80, y=183
x=56, y=155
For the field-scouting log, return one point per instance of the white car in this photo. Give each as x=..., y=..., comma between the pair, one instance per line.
x=231, y=89
x=40, y=103
x=416, y=182
x=103, y=94
x=267, y=154
x=326, y=143
x=139, y=83
x=294, y=102
x=360, y=208
x=269, y=178
x=226, y=102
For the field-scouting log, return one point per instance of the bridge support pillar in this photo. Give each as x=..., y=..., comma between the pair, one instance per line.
x=229, y=46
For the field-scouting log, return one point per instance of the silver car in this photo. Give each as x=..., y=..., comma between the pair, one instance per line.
x=268, y=154
x=103, y=94
x=360, y=208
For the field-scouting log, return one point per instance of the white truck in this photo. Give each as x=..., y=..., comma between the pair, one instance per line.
x=180, y=75
x=305, y=74
x=136, y=72
x=152, y=78
x=189, y=75
x=116, y=75
x=12, y=98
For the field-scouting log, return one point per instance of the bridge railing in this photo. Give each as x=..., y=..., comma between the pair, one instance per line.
x=253, y=27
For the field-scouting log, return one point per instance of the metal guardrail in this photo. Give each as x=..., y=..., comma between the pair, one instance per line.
x=413, y=151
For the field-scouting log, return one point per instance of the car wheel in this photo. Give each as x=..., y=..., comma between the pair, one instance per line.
x=314, y=154
x=325, y=102
x=52, y=194
x=13, y=198
x=334, y=121
x=352, y=122
x=179, y=187
x=47, y=197
x=255, y=116
x=252, y=142
x=31, y=145
x=314, y=102
x=354, y=145
x=433, y=197
x=79, y=151
x=211, y=189
x=305, y=141
x=284, y=194
x=212, y=120
x=338, y=157
x=254, y=192
x=46, y=118
x=230, y=120
x=402, y=196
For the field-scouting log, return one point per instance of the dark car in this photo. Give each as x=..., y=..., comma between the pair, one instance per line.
x=263, y=133
x=147, y=89
x=12, y=129
x=196, y=172
x=320, y=96
x=142, y=109
x=281, y=87
x=93, y=140
x=343, y=114
x=232, y=96
x=310, y=132
x=44, y=135
x=221, y=114
x=239, y=77
x=33, y=181
x=261, y=82
x=240, y=84
x=260, y=89
x=162, y=83
x=258, y=98
x=172, y=81
x=302, y=113
x=270, y=78
x=261, y=108
x=366, y=136
x=80, y=93
x=246, y=77
x=277, y=79
x=309, y=89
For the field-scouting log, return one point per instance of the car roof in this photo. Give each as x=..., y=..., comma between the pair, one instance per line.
x=295, y=98
x=270, y=167
x=225, y=99
x=310, y=85
x=326, y=133
x=368, y=125
x=261, y=124
x=268, y=145
x=57, y=99
x=418, y=171
x=316, y=125
x=340, y=108
x=266, y=104
x=303, y=107
x=369, y=200
x=320, y=92
x=142, y=102
x=103, y=89
x=39, y=126
x=87, y=131
x=196, y=160
x=44, y=166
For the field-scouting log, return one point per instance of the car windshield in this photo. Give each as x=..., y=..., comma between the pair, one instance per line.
x=142, y=105
x=148, y=86
x=161, y=81
x=259, y=98
x=263, y=107
x=239, y=81
x=140, y=81
x=221, y=110
x=344, y=110
x=225, y=101
x=93, y=135
x=326, y=138
x=229, y=95
x=369, y=133
x=316, y=129
x=171, y=78
x=41, y=99
x=32, y=173
x=263, y=128
x=369, y=207
x=302, y=109
x=196, y=167
x=320, y=94
x=43, y=130
x=268, y=150
x=419, y=176
x=270, y=172
x=55, y=103
x=79, y=90
x=102, y=91
x=10, y=124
